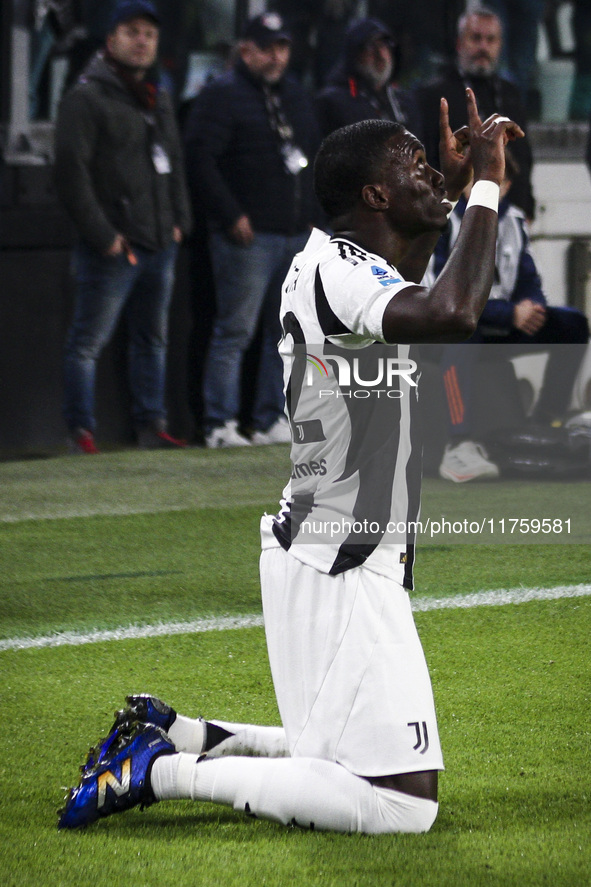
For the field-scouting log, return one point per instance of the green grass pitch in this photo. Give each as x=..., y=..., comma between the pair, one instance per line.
x=137, y=539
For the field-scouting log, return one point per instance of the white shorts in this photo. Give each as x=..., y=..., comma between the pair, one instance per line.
x=348, y=667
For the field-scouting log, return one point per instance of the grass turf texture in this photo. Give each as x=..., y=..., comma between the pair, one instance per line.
x=514, y=804
x=511, y=683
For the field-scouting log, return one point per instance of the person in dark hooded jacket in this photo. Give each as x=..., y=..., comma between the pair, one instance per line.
x=361, y=86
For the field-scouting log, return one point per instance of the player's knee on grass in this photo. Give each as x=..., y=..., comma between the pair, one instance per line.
x=405, y=813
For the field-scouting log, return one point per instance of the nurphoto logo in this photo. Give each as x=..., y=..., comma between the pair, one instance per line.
x=359, y=377
x=387, y=369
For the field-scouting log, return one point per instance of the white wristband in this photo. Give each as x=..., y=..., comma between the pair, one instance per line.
x=484, y=193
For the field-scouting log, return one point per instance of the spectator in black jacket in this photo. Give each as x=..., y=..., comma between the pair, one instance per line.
x=478, y=51
x=251, y=137
x=360, y=87
x=120, y=174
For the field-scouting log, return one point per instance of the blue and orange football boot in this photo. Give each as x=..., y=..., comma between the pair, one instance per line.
x=116, y=775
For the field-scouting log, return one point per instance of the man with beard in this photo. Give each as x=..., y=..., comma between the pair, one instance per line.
x=478, y=50
x=360, y=87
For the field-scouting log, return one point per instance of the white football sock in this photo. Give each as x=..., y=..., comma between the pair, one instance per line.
x=307, y=792
x=189, y=735
x=171, y=775
x=252, y=741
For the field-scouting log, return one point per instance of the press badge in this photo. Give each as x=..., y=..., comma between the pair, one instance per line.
x=294, y=159
x=160, y=159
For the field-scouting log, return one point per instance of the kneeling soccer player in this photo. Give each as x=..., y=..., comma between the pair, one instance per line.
x=359, y=749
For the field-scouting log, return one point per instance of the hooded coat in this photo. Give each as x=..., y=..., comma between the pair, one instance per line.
x=349, y=98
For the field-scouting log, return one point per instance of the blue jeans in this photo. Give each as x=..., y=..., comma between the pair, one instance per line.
x=107, y=286
x=248, y=286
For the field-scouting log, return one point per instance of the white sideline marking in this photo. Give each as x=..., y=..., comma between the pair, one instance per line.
x=106, y=510
x=133, y=632
x=499, y=597
x=494, y=598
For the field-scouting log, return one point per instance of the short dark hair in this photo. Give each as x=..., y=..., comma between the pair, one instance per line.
x=348, y=159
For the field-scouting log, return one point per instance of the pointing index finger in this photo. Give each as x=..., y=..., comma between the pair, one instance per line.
x=473, y=116
x=443, y=115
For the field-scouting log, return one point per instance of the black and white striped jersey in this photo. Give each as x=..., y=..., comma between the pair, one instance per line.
x=353, y=495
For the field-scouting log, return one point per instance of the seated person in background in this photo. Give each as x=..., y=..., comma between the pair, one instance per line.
x=360, y=86
x=515, y=314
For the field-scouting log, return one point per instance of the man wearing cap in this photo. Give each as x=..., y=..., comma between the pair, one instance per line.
x=120, y=174
x=360, y=86
x=250, y=141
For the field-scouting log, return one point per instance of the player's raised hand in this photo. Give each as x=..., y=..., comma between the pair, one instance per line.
x=488, y=140
x=454, y=154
